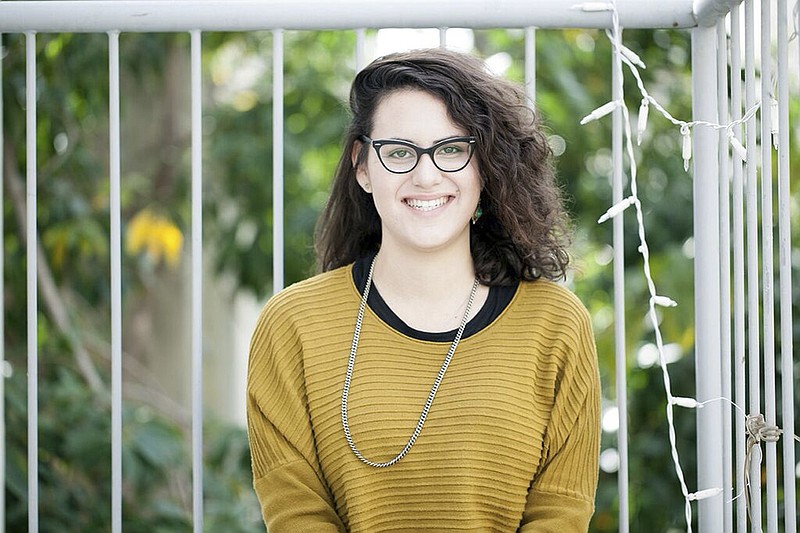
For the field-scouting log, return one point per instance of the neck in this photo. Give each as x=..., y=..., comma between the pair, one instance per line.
x=428, y=291
x=425, y=275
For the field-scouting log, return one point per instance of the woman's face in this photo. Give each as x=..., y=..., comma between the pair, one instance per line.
x=425, y=209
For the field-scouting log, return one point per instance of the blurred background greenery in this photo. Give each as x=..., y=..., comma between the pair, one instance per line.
x=73, y=215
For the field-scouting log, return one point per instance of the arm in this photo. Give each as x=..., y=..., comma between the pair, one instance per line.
x=286, y=472
x=561, y=496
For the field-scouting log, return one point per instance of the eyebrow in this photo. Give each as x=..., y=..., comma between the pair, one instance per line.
x=434, y=142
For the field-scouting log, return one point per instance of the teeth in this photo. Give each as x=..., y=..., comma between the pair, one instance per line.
x=426, y=205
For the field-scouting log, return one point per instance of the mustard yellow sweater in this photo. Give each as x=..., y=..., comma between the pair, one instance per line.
x=510, y=444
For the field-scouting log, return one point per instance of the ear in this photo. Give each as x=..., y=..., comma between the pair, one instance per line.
x=354, y=153
x=362, y=175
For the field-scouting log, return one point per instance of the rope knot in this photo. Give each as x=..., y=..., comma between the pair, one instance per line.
x=758, y=430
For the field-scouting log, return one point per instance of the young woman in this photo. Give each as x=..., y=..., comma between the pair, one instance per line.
x=433, y=377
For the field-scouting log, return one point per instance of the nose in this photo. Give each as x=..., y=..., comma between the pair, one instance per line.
x=426, y=175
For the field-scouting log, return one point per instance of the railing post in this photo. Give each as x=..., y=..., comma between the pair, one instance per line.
x=753, y=311
x=620, y=347
x=739, y=302
x=530, y=65
x=115, y=222
x=361, y=38
x=707, y=279
x=197, y=282
x=767, y=266
x=32, y=287
x=277, y=161
x=785, y=269
x=725, y=269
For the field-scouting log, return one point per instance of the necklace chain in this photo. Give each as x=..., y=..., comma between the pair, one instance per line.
x=352, y=360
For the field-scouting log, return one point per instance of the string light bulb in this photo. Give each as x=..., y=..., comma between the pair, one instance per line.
x=738, y=147
x=774, y=119
x=664, y=301
x=641, y=123
x=689, y=403
x=704, y=494
x=600, y=112
x=616, y=209
x=686, y=150
x=633, y=57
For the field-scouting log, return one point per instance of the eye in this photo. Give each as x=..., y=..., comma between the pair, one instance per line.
x=452, y=149
x=399, y=153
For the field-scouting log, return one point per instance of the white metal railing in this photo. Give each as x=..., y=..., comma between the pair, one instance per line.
x=116, y=281
x=620, y=348
x=785, y=261
x=725, y=278
x=32, y=296
x=707, y=275
x=245, y=15
x=717, y=204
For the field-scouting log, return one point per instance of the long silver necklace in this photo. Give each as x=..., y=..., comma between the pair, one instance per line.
x=352, y=361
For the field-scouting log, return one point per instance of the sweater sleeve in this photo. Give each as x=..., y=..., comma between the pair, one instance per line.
x=561, y=496
x=286, y=474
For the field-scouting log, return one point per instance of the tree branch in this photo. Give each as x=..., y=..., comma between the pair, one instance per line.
x=51, y=297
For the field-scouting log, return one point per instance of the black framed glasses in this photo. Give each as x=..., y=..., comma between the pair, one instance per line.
x=399, y=157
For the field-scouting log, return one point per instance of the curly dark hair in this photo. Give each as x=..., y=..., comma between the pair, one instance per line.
x=524, y=230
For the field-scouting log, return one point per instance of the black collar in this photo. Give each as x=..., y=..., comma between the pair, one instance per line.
x=497, y=301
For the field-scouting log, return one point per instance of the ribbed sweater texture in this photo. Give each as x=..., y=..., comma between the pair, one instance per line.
x=510, y=444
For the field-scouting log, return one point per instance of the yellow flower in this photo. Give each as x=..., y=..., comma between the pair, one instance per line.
x=155, y=236
x=171, y=241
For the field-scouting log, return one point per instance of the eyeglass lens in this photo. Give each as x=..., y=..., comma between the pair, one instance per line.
x=449, y=156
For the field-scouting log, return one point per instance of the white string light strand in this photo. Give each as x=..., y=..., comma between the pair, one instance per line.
x=633, y=61
x=655, y=298
x=757, y=430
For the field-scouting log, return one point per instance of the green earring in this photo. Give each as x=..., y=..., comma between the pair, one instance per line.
x=477, y=214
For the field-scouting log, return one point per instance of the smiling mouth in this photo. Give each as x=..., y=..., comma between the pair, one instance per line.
x=426, y=205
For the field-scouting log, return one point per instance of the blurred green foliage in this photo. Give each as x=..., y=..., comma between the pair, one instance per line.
x=74, y=432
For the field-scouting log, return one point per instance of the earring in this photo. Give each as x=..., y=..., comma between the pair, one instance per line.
x=477, y=214
x=367, y=187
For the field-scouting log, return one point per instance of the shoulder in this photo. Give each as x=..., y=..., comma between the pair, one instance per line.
x=314, y=290
x=552, y=299
x=554, y=315
x=301, y=301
